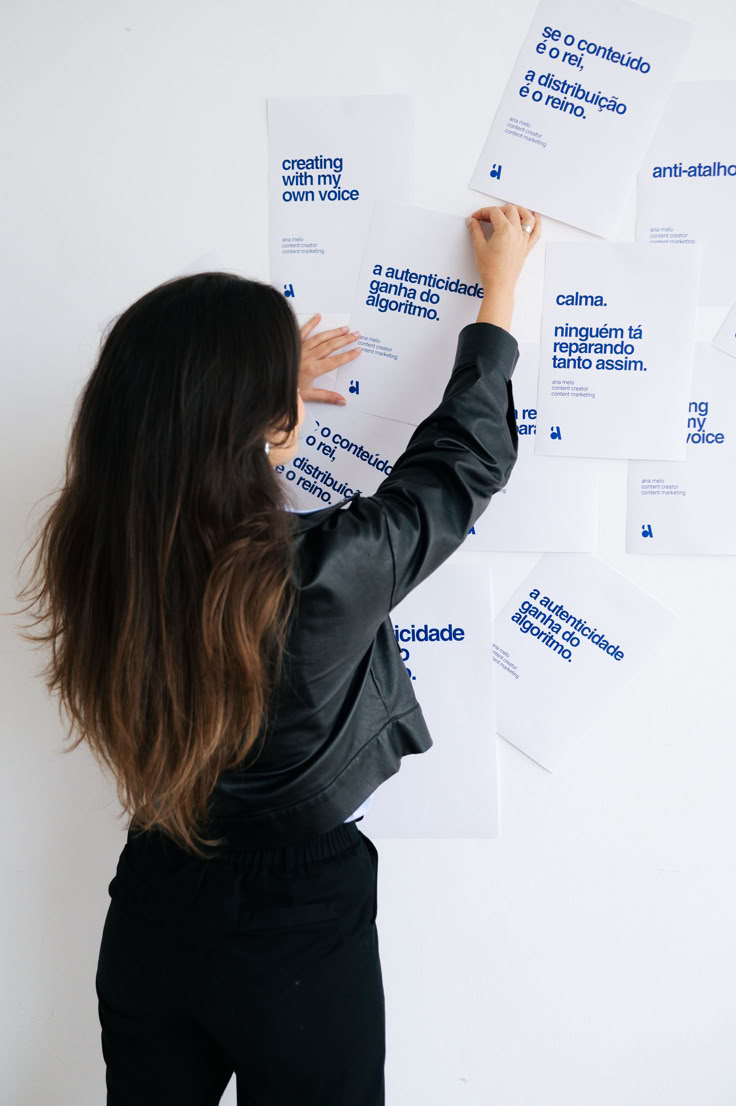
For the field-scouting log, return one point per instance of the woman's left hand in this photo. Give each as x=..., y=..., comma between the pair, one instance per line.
x=319, y=356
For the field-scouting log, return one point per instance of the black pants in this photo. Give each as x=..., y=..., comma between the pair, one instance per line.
x=262, y=962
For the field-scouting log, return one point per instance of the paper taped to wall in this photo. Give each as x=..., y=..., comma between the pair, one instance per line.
x=580, y=109
x=329, y=158
x=564, y=645
x=616, y=350
x=418, y=287
x=443, y=629
x=687, y=506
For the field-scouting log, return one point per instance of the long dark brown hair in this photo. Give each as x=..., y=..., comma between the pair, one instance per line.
x=163, y=570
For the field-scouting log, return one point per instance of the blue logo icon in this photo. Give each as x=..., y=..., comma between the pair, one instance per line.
x=289, y=290
x=555, y=432
x=354, y=387
x=495, y=171
x=471, y=530
x=646, y=530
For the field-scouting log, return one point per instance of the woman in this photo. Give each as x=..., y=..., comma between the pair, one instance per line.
x=233, y=663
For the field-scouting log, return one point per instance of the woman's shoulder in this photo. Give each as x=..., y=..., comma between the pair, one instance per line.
x=308, y=518
x=344, y=548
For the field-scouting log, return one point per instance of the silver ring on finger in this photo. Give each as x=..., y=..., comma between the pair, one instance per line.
x=527, y=227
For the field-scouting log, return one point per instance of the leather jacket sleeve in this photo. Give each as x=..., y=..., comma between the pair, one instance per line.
x=455, y=460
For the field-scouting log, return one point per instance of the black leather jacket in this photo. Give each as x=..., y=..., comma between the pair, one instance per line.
x=346, y=712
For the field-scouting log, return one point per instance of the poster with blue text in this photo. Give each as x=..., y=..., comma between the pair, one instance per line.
x=580, y=108
x=418, y=287
x=687, y=506
x=341, y=453
x=443, y=630
x=329, y=158
x=616, y=350
x=687, y=184
x=550, y=504
x=565, y=644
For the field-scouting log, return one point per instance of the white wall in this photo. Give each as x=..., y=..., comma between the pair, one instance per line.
x=585, y=958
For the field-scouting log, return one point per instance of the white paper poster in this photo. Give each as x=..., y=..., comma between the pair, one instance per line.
x=688, y=506
x=443, y=629
x=725, y=339
x=418, y=287
x=616, y=350
x=570, y=637
x=580, y=109
x=342, y=452
x=549, y=503
x=687, y=183
x=329, y=158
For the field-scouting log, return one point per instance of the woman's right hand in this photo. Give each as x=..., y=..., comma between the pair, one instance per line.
x=501, y=257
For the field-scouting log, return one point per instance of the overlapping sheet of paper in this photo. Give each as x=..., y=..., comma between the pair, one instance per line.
x=342, y=452
x=616, y=350
x=688, y=506
x=687, y=184
x=580, y=109
x=417, y=289
x=444, y=632
x=329, y=158
x=564, y=645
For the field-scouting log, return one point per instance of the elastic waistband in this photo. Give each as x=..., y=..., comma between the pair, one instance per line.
x=332, y=843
